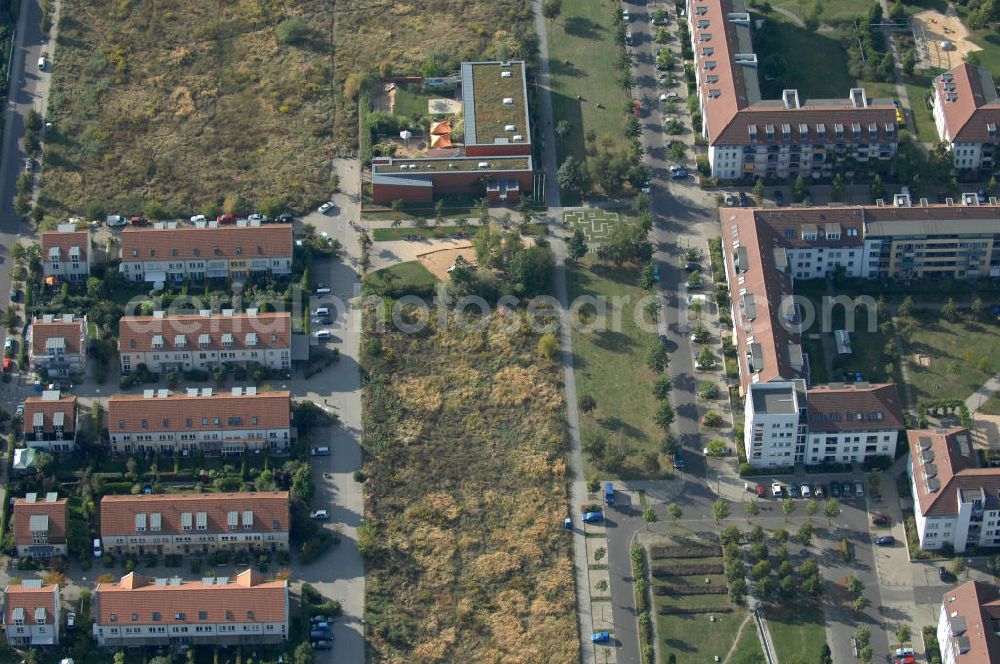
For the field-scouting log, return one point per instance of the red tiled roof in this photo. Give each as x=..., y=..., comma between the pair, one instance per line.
x=48, y=408
x=126, y=412
x=971, y=107
x=64, y=241
x=29, y=599
x=730, y=112
x=978, y=604
x=23, y=511
x=186, y=242
x=854, y=407
x=245, y=599
x=944, y=464
x=272, y=330
x=270, y=511
x=42, y=332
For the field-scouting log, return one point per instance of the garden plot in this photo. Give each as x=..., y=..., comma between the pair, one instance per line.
x=595, y=224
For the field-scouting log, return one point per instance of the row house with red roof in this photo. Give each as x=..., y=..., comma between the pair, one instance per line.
x=31, y=614
x=205, y=341
x=39, y=526
x=66, y=254
x=49, y=422
x=750, y=137
x=968, y=629
x=966, y=113
x=199, y=420
x=195, y=524
x=170, y=252
x=956, y=503
x=145, y=611
x=57, y=344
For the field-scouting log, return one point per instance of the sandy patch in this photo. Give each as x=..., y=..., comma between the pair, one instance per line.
x=443, y=106
x=938, y=29
x=440, y=260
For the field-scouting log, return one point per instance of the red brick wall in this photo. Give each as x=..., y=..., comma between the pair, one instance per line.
x=385, y=194
x=447, y=183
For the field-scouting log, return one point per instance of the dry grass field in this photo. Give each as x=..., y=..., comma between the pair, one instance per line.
x=186, y=102
x=467, y=560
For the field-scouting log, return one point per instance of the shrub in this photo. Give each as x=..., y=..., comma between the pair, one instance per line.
x=291, y=30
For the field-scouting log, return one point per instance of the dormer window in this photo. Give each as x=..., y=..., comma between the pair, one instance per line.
x=991, y=129
x=821, y=131
x=769, y=130
x=856, y=131
x=786, y=132
x=752, y=129
x=839, y=131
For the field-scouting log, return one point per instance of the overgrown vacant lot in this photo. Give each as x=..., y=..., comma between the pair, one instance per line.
x=466, y=492
x=186, y=102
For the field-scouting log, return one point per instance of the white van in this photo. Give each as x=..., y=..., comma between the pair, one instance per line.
x=41, y=63
x=859, y=490
x=321, y=451
x=98, y=551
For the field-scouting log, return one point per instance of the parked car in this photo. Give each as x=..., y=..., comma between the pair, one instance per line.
x=793, y=490
x=29, y=165
x=678, y=172
x=835, y=489
x=743, y=199
x=945, y=575
x=322, y=289
x=70, y=620
x=818, y=490
x=320, y=635
x=600, y=637
x=285, y=218
x=691, y=267
x=325, y=207
x=881, y=520
x=321, y=311
x=323, y=334
x=198, y=217
x=323, y=644
x=678, y=461
x=322, y=320
x=256, y=216
x=885, y=540
x=19, y=412
x=859, y=490
x=761, y=491
x=806, y=492
x=593, y=517
x=320, y=619
x=321, y=451
x=625, y=16
x=669, y=96
x=15, y=294
x=730, y=200
x=115, y=220
x=320, y=515
x=776, y=489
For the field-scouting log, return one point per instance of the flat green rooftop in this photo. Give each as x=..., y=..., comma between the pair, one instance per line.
x=485, y=88
x=459, y=164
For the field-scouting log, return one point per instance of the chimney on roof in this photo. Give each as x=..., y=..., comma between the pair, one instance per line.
x=791, y=98
x=248, y=578
x=858, y=98
x=131, y=581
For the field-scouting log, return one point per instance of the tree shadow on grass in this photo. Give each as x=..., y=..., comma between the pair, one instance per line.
x=614, y=341
x=565, y=68
x=625, y=274
x=618, y=425
x=584, y=28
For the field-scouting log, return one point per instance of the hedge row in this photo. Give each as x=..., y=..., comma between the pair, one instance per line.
x=688, y=568
x=685, y=551
x=692, y=610
x=707, y=589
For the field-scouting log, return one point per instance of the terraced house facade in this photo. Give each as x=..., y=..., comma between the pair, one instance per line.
x=31, y=614
x=195, y=524
x=49, y=422
x=205, y=341
x=233, y=422
x=58, y=344
x=171, y=253
x=39, y=526
x=66, y=254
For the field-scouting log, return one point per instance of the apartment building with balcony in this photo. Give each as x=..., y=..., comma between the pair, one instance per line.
x=205, y=341
x=49, y=422
x=170, y=252
x=31, y=614
x=195, y=524
x=144, y=611
x=968, y=629
x=66, y=254
x=57, y=344
x=956, y=503
x=787, y=423
x=966, y=113
x=750, y=137
x=39, y=526
x=231, y=422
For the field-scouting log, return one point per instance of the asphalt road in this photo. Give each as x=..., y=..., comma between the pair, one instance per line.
x=29, y=88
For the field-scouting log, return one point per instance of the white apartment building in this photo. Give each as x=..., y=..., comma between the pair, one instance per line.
x=199, y=420
x=58, y=344
x=956, y=503
x=144, y=611
x=171, y=253
x=750, y=137
x=205, y=341
x=195, y=524
x=966, y=113
x=31, y=614
x=66, y=254
x=774, y=423
x=968, y=629
x=49, y=422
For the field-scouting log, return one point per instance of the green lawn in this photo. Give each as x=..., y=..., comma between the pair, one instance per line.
x=748, y=649
x=612, y=363
x=583, y=58
x=917, y=90
x=411, y=101
x=409, y=276
x=804, y=55
x=834, y=11
x=797, y=633
x=962, y=356
x=595, y=224
x=695, y=638
x=991, y=406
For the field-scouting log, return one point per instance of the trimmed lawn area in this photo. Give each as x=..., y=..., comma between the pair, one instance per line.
x=583, y=59
x=411, y=275
x=797, y=633
x=611, y=363
x=834, y=11
x=411, y=101
x=696, y=638
x=805, y=54
x=922, y=116
x=962, y=356
x=748, y=649
x=991, y=406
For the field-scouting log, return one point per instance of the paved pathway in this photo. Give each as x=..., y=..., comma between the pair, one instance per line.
x=980, y=396
x=578, y=486
x=792, y=16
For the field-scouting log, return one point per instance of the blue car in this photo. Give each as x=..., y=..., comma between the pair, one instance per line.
x=656, y=273
x=593, y=517
x=600, y=637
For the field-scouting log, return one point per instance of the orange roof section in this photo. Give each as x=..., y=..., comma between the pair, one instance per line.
x=187, y=242
x=48, y=408
x=245, y=599
x=64, y=241
x=260, y=331
x=270, y=511
x=24, y=510
x=42, y=332
x=29, y=599
x=180, y=412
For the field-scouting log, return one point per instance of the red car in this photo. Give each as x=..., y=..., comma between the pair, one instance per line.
x=761, y=491
x=881, y=520
x=226, y=219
